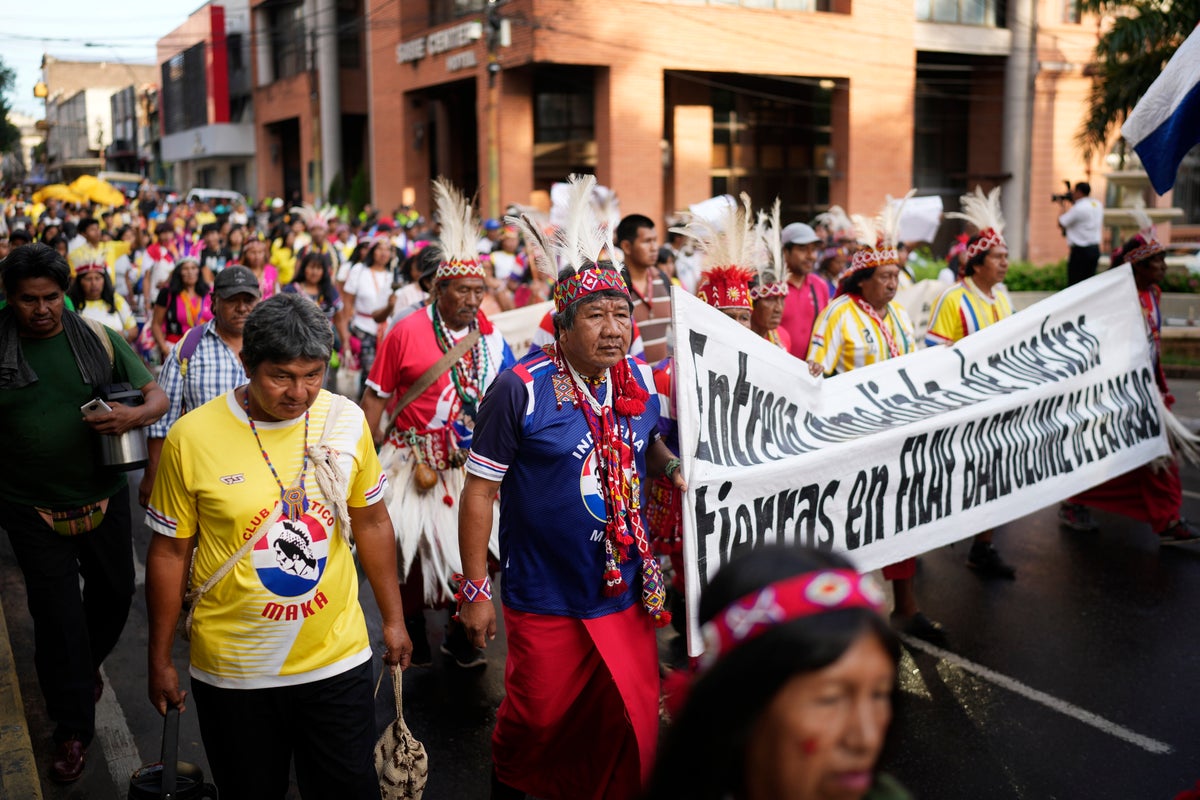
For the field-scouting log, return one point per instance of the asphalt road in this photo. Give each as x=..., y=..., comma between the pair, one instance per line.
x=1077, y=680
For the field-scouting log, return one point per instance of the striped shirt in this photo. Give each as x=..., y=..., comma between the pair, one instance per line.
x=845, y=337
x=964, y=309
x=653, y=315
x=212, y=370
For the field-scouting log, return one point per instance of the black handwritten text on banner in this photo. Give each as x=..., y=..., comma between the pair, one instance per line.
x=898, y=458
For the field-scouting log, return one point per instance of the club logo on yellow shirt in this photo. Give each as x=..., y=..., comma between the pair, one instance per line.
x=291, y=557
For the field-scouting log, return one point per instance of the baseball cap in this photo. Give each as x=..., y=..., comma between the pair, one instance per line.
x=236, y=280
x=492, y=225
x=799, y=233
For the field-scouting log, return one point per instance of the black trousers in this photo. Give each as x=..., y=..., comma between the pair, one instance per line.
x=73, y=631
x=1081, y=263
x=252, y=735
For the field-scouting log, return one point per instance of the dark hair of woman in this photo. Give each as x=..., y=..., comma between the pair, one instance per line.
x=176, y=284
x=76, y=293
x=325, y=285
x=703, y=755
x=1119, y=255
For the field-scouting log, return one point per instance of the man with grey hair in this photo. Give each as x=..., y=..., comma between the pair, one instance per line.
x=267, y=481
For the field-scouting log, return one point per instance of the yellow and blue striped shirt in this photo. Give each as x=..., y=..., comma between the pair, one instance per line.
x=964, y=309
x=845, y=337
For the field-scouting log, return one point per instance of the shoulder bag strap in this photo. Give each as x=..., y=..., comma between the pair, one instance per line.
x=439, y=368
x=192, y=598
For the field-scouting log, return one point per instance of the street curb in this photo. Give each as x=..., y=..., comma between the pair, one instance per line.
x=18, y=769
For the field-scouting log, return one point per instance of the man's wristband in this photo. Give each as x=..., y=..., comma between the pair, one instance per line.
x=671, y=468
x=470, y=591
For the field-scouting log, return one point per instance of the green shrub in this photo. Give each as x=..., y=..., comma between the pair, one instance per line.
x=1024, y=276
x=1182, y=281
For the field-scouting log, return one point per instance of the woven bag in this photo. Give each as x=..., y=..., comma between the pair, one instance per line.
x=400, y=759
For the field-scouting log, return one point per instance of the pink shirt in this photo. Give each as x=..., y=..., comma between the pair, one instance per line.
x=800, y=309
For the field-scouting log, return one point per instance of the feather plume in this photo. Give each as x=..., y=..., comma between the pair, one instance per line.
x=889, y=219
x=982, y=211
x=541, y=252
x=835, y=221
x=866, y=229
x=728, y=239
x=1140, y=217
x=459, y=227
x=570, y=239
x=770, y=231
x=1184, y=443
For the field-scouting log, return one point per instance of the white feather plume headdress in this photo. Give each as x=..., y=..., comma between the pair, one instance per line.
x=582, y=244
x=984, y=213
x=771, y=268
x=836, y=222
x=312, y=216
x=727, y=242
x=460, y=231
x=878, y=235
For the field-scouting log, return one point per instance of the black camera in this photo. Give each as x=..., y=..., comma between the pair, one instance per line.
x=1065, y=197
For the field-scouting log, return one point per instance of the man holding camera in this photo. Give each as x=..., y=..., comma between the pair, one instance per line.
x=1081, y=224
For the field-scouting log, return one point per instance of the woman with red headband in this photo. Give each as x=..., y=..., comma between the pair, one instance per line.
x=794, y=696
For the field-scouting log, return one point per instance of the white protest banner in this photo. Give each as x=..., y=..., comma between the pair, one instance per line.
x=913, y=453
x=518, y=325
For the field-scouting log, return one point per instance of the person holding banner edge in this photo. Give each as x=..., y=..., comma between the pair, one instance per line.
x=974, y=303
x=865, y=325
x=1152, y=493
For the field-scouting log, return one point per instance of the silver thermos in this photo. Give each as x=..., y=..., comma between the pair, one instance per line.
x=127, y=451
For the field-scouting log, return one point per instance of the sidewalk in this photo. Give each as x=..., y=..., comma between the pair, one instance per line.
x=18, y=769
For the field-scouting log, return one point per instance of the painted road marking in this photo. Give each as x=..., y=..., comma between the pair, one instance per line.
x=1054, y=703
x=1196, y=495
x=112, y=729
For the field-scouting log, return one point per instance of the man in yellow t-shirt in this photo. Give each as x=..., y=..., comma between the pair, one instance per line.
x=280, y=658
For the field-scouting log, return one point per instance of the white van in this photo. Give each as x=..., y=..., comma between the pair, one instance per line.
x=223, y=197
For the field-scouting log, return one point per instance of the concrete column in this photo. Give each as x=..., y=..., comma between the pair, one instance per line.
x=691, y=156
x=1019, y=74
x=330, y=94
x=263, y=74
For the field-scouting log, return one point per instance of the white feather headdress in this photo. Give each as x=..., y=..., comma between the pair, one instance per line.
x=984, y=213
x=769, y=261
x=836, y=222
x=727, y=242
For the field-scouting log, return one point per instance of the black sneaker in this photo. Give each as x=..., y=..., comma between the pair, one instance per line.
x=422, y=655
x=1076, y=517
x=1181, y=532
x=986, y=560
x=457, y=647
x=921, y=627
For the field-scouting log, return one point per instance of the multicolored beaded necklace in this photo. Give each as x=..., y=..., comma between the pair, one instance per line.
x=625, y=535
x=888, y=339
x=468, y=373
x=294, y=500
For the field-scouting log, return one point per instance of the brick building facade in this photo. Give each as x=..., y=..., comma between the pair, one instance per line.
x=670, y=102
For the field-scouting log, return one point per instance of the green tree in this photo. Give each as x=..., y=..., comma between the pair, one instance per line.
x=10, y=135
x=1130, y=54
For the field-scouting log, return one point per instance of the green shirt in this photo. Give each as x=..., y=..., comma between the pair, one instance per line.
x=52, y=456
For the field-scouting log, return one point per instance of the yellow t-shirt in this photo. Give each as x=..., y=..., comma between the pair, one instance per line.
x=963, y=309
x=845, y=337
x=288, y=612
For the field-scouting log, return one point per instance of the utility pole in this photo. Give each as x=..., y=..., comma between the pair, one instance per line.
x=493, y=110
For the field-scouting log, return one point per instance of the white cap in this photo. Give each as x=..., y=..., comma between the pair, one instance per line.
x=277, y=202
x=799, y=233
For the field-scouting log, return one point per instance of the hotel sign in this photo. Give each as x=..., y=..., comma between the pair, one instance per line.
x=441, y=41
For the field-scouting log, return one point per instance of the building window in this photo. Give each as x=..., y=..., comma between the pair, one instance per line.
x=288, y=51
x=350, y=26
x=984, y=13
x=564, y=123
x=185, y=90
x=770, y=5
x=1070, y=11
x=1187, y=187
x=446, y=10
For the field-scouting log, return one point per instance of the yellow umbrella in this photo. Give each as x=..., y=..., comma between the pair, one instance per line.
x=98, y=191
x=57, y=191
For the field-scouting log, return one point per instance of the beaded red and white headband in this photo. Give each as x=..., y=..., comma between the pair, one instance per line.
x=783, y=601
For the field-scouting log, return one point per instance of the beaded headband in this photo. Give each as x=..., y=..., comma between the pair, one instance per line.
x=585, y=282
x=458, y=236
x=765, y=290
x=1149, y=247
x=989, y=239
x=783, y=601
x=870, y=258
x=96, y=267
